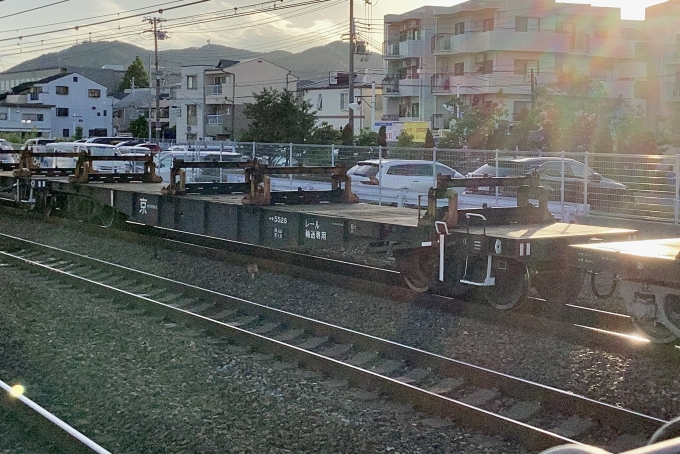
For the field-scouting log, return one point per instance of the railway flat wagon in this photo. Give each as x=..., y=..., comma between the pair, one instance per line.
x=496, y=253
x=647, y=274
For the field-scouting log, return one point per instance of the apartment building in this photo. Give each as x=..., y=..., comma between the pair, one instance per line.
x=663, y=56
x=140, y=102
x=478, y=48
x=209, y=102
x=409, y=64
x=330, y=99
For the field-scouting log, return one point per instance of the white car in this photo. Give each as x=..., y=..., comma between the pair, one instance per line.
x=413, y=175
x=7, y=154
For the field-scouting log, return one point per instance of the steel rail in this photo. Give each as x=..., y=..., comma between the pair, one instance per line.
x=551, y=399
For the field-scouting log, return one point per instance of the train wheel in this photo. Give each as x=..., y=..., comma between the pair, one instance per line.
x=417, y=269
x=657, y=332
x=103, y=215
x=559, y=287
x=511, y=287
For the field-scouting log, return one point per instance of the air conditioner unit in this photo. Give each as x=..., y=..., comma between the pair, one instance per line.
x=188, y=128
x=480, y=57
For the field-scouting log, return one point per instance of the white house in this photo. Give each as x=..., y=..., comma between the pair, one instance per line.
x=330, y=99
x=210, y=100
x=77, y=102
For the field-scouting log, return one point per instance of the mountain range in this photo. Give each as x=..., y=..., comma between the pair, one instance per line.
x=311, y=64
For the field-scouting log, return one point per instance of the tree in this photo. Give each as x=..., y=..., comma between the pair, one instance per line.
x=139, y=127
x=404, y=139
x=137, y=72
x=78, y=134
x=575, y=114
x=279, y=117
x=429, y=139
x=348, y=135
x=367, y=138
x=325, y=134
x=382, y=136
x=479, y=127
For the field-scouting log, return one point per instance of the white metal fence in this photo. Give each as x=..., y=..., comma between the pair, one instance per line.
x=620, y=185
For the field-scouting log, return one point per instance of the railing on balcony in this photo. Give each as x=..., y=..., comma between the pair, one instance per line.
x=441, y=42
x=213, y=90
x=671, y=91
x=213, y=120
x=390, y=84
x=391, y=49
x=440, y=83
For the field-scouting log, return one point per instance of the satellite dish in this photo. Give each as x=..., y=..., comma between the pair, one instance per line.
x=188, y=128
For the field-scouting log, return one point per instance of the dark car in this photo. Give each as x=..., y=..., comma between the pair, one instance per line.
x=601, y=190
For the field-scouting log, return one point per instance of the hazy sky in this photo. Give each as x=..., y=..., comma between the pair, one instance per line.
x=50, y=25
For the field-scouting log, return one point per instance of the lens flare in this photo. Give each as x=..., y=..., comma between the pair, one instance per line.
x=17, y=390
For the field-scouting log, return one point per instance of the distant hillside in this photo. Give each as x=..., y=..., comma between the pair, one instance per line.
x=312, y=64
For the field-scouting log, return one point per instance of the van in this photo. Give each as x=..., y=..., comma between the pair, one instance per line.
x=36, y=144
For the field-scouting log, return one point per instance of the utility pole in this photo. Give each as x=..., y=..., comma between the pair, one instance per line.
x=533, y=86
x=351, y=64
x=155, y=21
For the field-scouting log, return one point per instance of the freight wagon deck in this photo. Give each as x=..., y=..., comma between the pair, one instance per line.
x=647, y=274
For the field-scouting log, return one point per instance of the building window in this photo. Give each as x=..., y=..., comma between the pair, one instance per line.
x=192, y=115
x=65, y=132
x=459, y=28
x=192, y=82
x=485, y=67
x=32, y=117
x=344, y=101
x=191, y=137
x=565, y=27
x=524, y=67
x=61, y=90
x=319, y=102
x=600, y=31
x=62, y=111
x=104, y=112
x=75, y=78
x=458, y=69
x=488, y=25
x=220, y=80
x=527, y=24
x=3, y=115
x=94, y=93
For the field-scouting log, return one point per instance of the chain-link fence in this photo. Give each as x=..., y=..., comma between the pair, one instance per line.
x=640, y=186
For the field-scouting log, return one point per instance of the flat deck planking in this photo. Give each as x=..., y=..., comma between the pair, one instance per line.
x=554, y=230
x=662, y=249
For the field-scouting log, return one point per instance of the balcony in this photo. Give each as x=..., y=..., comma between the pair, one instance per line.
x=476, y=83
x=213, y=90
x=612, y=48
x=390, y=85
x=671, y=92
x=391, y=50
x=671, y=53
x=500, y=40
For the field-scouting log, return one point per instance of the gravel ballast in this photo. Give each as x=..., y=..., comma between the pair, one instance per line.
x=141, y=385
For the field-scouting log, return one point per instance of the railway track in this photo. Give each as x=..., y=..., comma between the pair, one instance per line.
x=532, y=414
x=583, y=324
